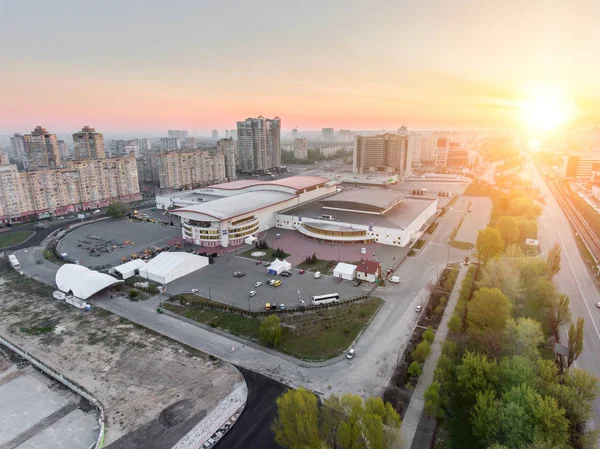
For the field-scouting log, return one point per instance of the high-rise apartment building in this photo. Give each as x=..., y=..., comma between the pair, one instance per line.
x=259, y=142
x=188, y=169
x=88, y=144
x=442, y=146
x=227, y=134
x=63, y=149
x=300, y=148
x=215, y=134
x=170, y=143
x=327, y=135
x=41, y=148
x=229, y=149
x=81, y=185
x=17, y=146
x=180, y=134
x=144, y=146
x=345, y=135
x=190, y=143
x=233, y=134
x=386, y=152
x=294, y=134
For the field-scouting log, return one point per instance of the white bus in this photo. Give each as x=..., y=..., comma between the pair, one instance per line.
x=14, y=262
x=325, y=299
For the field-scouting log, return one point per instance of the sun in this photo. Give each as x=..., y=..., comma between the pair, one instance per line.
x=547, y=108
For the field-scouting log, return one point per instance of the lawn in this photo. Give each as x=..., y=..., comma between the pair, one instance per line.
x=50, y=256
x=268, y=257
x=312, y=335
x=14, y=238
x=460, y=245
x=319, y=265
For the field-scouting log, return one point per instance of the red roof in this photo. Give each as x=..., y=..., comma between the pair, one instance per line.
x=293, y=182
x=368, y=266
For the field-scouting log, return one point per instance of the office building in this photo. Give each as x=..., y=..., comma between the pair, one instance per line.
x=170, y=143
x=300, y=148
x=178, y=134
x=442, y=147
x=259, y=141
x=41, y=148
x=88, y=144
x=327, y=135
x=229, y=149
x=383, y=153
x=581, y=165
x=17, y=150
x=189, y=169
x=81, y=185
x=215, y=134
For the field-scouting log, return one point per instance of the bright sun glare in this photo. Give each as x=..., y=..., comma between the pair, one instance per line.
x=546, y=108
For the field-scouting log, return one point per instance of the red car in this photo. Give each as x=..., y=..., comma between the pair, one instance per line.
x=301, y=271
x=258, y=262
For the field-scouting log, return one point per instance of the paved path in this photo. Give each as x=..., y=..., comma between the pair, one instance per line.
x=417, y=402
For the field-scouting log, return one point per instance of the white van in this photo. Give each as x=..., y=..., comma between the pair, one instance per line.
x=317, y=275
x=395, y=279
x=97, y=211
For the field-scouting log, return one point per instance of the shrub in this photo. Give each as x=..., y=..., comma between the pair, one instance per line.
x=428, y=335
x=421, y=352
x=133, y=293
x=414, y=370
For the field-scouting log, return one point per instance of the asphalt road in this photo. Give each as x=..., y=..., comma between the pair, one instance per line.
x=574, y=280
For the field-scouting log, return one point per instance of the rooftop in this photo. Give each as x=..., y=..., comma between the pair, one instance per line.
x=372, y=200
x=232, y=206
x=368, y=266
x=293, y=182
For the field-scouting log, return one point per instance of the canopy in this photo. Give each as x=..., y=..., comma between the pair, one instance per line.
x=344, y=271
x=167, y=267
x=250, y=240
x=82, y=282
x=277, y=266
x=128, y=269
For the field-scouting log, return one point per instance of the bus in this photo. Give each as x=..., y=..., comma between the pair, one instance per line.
x=325, y=299
x=14, y=262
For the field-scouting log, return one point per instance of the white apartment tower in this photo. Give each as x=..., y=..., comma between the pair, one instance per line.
x=229, y=149
x=259, y=143
x=88, y=144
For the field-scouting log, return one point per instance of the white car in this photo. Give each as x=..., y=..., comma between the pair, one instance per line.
x=317, y=275
x=350, y=354
x=598, y=305
x=252, y=293
x=194, y=290
x=418, y=308
x=258, y=284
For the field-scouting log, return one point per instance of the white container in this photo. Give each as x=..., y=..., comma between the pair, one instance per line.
x=59, y=295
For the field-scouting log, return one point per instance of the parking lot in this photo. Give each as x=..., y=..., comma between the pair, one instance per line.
x=141, y=235
x=216, y=281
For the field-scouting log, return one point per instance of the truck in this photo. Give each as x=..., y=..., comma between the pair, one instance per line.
x=14, y=262
x=57, y=294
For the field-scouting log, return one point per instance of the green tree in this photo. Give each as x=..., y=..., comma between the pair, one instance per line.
x=576, y=394
x=503, y=274
x=559, y=314
x=489, y=244
x=455, y=323
x=116, y=210
x=509, y=229
x=516, y=370
x=553, y=259
x=270, y=330
x=297, y=423
x=475, y=373
x=489, y=310
x=428, y=335
x=421, y=352
x=485, y=417
x=524, y=207
x=414, y=369
x=523, y=337
x=575, y=343
x=528, y=229
x=433, y=401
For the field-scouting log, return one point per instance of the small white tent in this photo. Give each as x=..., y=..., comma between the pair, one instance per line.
x=344, y=271
x=277, y=266
x=127, y=269
x=167, y=267
x=250, y=240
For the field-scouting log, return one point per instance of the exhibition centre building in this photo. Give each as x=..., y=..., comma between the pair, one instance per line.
x=228, y=214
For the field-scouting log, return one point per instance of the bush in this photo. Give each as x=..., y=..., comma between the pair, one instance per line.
x=428, y=335
x=133, y=293
x=421, y=352
x=414, y=370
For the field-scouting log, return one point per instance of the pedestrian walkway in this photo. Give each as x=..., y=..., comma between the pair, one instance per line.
x=417, y=401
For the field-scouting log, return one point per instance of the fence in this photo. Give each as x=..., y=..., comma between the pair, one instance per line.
x=66, y=382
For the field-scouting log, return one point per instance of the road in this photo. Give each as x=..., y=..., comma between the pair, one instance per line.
x=574, y=280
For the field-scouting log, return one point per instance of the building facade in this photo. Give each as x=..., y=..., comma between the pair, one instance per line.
x=383, y=153
x=88, y=144
x=170, y=143
x=81, y=185
x=215, y=134
x=300, y=148
x=17, y=147
x=581, y=166
x=180, y=134
x=41, y=148
x=328, y=134
x=259, y=141
x=228, y=148
x=189, y=169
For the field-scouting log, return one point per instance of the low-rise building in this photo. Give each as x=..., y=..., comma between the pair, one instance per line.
x=368, y=270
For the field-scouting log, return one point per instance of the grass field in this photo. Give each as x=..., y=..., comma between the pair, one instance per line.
x=268, y=257
x=14, y=238
x=319, y=265
x=314, y=335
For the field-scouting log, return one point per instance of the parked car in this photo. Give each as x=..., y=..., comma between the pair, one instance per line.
x=301, y=271
x=357, y=282
x=258, y=284
x=395, y=279
x=350, y=354
x=598, y=305
x=317, y=274
x=266, y=264
x=211, y=260
x=241, y=275
x=418, y=308
x=281, y=306
x=236, y=273
x=277, y=283
x=252, y=293
x=258, y=262
x=194, y=290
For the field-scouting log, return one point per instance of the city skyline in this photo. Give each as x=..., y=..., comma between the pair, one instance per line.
x=448, y=66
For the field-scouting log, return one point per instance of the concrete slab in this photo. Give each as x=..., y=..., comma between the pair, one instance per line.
x=477, y=219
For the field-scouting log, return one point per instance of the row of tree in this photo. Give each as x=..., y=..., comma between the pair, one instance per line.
x=491, y=386
x=344, y=422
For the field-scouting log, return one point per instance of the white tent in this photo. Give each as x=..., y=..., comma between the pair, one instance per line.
x=82, y=282
x=277, y=266
x=250, y=240
x=127, y=269
x=166, y=267
x=345, y=271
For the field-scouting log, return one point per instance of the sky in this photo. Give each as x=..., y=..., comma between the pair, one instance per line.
x=154, y=65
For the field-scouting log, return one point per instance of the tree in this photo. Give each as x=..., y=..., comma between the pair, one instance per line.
x=475, y=373
x=421, y=352
x=554, y=257
x=502, y=273
x=528, y=229
x=414, y=369
x=489, y=244
x=509, y=229
x=516, y=370
x=270, y=330
x=575, y=343
x=559, y=314
x=296, y=425
x=433, y=403
x=485, y=417
x=489, y=310
x=428, y=335
x=523, y=337
x=116, y=210
x=133, y=293
x=455, y=323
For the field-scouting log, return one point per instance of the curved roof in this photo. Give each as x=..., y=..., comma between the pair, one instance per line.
x=81, y=281
x=293, y=182
x=364, y=200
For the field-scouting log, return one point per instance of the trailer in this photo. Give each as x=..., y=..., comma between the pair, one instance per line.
x=57, y=294
x=14, y=262
x=76, y=302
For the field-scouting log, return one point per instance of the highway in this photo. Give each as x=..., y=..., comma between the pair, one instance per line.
x=574, y=280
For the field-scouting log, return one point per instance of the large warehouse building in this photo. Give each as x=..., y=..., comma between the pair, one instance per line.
x=226, y=214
